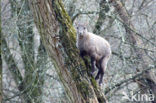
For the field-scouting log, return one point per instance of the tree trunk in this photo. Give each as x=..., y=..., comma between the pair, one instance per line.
x=14, y=71
x=148, y=84
x=58, y=36
x=30, y=84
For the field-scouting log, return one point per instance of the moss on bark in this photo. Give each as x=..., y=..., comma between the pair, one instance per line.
x=71, y=62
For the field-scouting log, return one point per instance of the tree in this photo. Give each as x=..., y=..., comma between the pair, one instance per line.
x=26, y=80
x=148, y=83
x=58, y=36
x=104, y=8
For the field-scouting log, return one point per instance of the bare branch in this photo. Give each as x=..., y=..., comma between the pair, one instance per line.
x=108, y=89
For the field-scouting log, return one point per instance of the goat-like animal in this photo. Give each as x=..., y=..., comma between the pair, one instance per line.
x=94, y=46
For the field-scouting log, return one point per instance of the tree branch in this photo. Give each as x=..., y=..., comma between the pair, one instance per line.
x=81, y=13
x=108, y=89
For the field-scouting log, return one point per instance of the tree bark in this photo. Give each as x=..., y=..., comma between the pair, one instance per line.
x=148, y=84
x=58, y=36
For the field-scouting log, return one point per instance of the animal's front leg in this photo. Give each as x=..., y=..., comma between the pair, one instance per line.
x=98, y=74
x=82, y=54
x=93, y=61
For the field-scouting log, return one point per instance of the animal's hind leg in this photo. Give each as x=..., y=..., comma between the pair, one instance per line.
x=101, y=77
x=98, y=74
x=99, y=70
x=103, y=68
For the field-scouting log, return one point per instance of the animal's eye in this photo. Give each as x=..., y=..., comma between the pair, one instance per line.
x=77, y=28
x=84, y=27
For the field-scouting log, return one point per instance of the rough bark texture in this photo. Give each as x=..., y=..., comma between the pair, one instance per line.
x=148, y=84
x=58, y=36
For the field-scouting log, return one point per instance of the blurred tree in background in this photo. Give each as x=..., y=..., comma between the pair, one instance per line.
x=41, y=64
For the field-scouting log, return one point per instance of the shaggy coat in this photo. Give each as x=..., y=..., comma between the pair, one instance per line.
x=96, y=47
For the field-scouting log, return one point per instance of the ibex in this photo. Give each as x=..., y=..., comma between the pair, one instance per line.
x=94, y=46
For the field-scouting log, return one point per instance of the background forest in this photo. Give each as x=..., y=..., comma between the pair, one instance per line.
x=41, y=64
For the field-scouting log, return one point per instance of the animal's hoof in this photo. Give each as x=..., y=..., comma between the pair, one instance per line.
x=92, y=73
x=100, y=83
x=96, y=78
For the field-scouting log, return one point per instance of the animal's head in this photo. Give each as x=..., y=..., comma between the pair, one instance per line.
x=81, y=29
